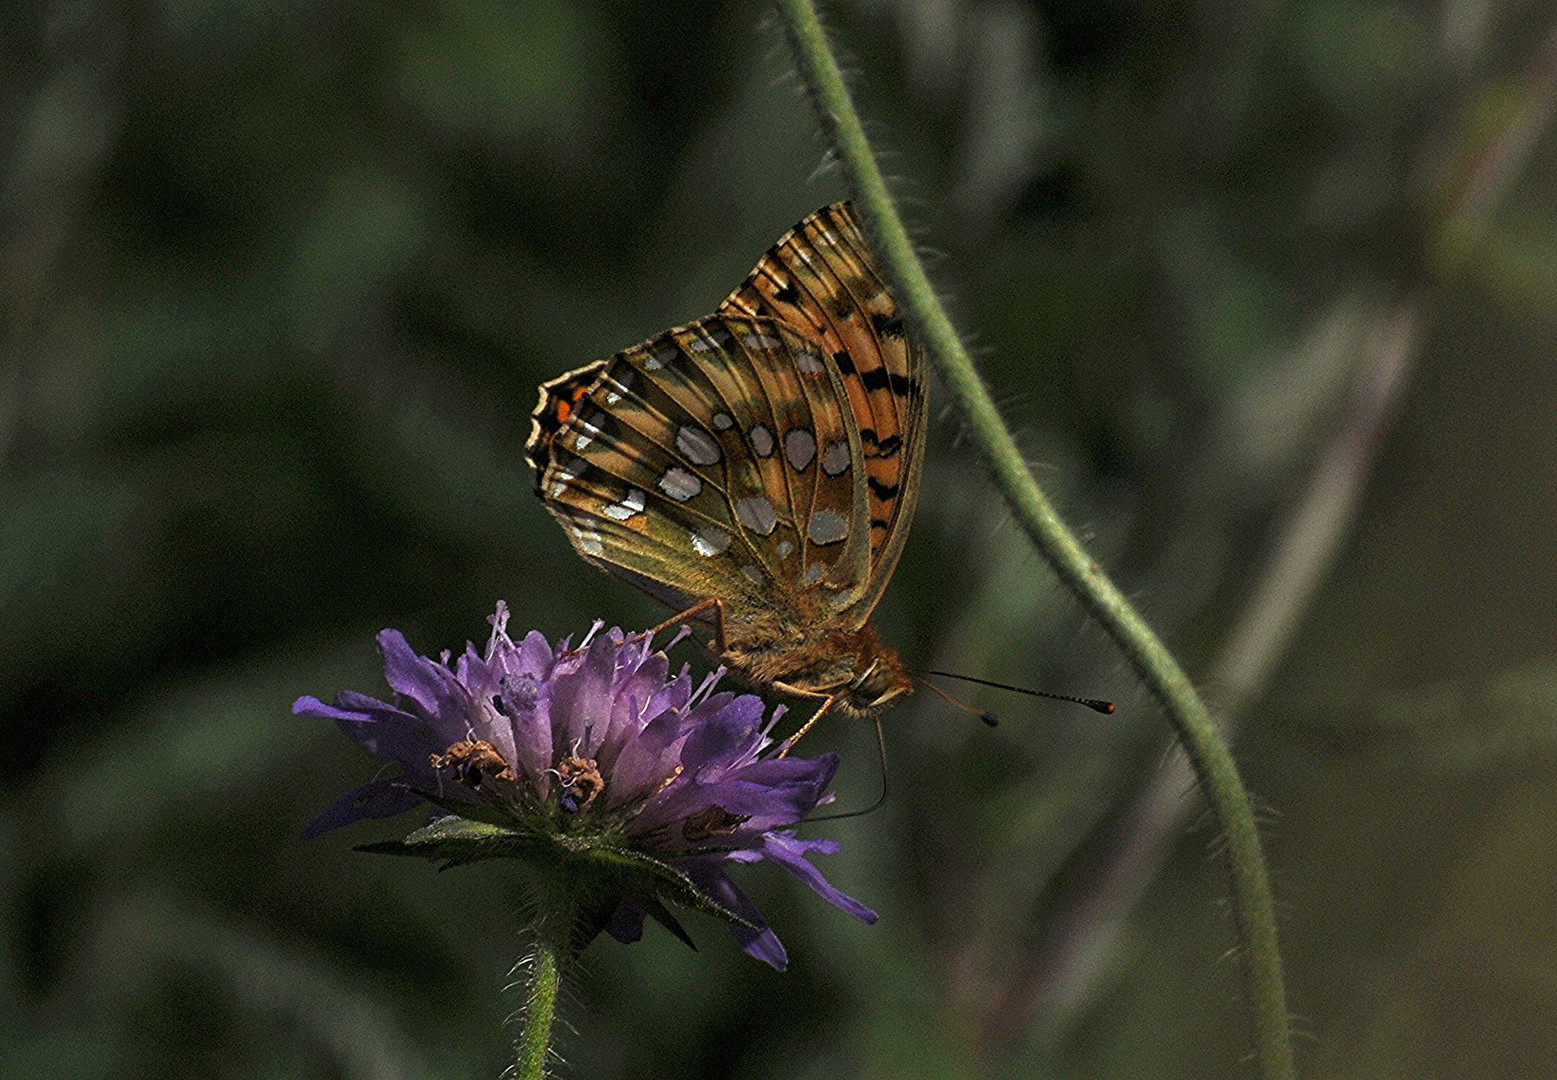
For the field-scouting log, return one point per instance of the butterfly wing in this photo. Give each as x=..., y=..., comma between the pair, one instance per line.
x=715, y=461
x=822, y=279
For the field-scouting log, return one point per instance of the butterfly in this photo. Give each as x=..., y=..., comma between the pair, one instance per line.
x=757, y=469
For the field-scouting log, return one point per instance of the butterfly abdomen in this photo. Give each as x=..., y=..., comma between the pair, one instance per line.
x=852, y=665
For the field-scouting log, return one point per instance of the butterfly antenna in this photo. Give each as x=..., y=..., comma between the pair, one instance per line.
x=1095, y=704
x=988, y=717
x=881, y=751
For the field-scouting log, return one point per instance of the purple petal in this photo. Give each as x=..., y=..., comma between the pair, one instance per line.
x=784, y=791
x=534, y=656
x=392, y=741
x=766, y=807
x=784, y=804
x=381, y=798
x=371, y=707
x=527, y=706
x=790, y=853
x=626, y=922
x=348, y=706
x=473, y=672
x=646, y=762
x=382, y=730
x=762, y=943
x=431, y=686
x=724, y=730
x=817, y=771
x=581, y=700
x=671, y=697
x=639, y=678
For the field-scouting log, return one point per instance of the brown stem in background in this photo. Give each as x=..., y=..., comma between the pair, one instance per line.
x=1309, y=541
x=1307, y=545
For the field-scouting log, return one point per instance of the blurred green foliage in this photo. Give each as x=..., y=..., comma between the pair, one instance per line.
x=280, y=280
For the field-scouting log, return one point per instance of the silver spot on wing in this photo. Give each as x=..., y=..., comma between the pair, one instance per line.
x=827, y=527
x=762, y=441
x=757, y=514
x=709, y=541
x=590, y=428
x=835, y=458
x=697, y=445
x=799, y=448
x=566, y=475
x=632, y=504
x=680, y=484
x=809, y=362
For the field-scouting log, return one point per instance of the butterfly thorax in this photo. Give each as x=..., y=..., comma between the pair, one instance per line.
x=852, y=666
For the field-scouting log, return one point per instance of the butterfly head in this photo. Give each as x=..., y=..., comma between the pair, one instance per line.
x=879, y=679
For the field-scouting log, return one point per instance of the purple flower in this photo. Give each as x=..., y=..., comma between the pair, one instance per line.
x=627, y=786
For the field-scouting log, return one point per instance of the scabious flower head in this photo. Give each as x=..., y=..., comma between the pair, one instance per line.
x=626, y=785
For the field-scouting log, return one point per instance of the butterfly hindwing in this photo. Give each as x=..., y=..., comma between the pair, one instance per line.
x=822, y=279
x=781, y=416
x=716, y=460
x=559, y=400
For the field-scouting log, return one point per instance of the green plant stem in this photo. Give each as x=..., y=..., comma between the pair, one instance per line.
x=535, y=1038
x=1253, y=910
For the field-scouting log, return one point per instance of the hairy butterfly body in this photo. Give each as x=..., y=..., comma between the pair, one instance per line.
x=757, y=469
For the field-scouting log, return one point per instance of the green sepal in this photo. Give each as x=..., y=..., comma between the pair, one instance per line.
x=459, y=840
x=594, y=865
x=667, y=881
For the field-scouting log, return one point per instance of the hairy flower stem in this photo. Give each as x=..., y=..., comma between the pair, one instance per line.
x=535, y=1039
x=1252, y=907
x=554, y=938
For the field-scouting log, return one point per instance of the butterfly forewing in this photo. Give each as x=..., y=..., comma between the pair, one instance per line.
x=822, y=278
x=717, y=460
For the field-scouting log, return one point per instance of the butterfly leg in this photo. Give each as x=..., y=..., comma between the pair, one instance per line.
x=697, y=609
x=827, y=701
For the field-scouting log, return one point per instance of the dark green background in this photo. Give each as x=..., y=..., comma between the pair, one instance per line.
x=279, y=283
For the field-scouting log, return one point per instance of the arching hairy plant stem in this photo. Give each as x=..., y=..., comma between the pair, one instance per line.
x=1253, y=911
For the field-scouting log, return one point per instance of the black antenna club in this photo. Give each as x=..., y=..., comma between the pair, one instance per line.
x=1095, y=704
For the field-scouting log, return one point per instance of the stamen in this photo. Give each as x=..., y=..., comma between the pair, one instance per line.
x=778, y=714
x=474, y=763
x=499, y=621
x=702, y=693
x=582, y=783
